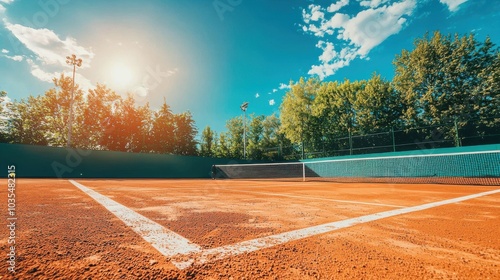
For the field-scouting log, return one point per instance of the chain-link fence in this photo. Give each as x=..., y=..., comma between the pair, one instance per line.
x=450, y=134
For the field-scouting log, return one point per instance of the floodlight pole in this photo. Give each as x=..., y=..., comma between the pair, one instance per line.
x=244, y=107
x=72, y=60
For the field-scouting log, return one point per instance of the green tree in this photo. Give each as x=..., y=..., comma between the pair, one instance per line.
x=273, y=141
x=297, y=121
x=446, y=78
x=43, y=120
x=377, y=106
x=163, y=131
x=57, y=103
x=4, y=129
x=254, y=136
x=147, y=140
x=27, y=121
x=185, y=133
x=234, y=137
x=208, y=143
x=96, y=116
x=224, y=148
x=335, y=115
x=123, y=130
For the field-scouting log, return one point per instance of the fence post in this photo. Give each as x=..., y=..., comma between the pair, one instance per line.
x=350, y=142
x=393, y=140
x=457, y=136
x=303, y=150
x=303, y=172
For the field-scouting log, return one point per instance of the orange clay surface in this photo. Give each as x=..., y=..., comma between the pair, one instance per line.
x=62, y=233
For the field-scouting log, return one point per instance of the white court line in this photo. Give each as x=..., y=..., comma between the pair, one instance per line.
x=319, y=198
x=210, y=255
x=301, y=197
x=184, y=253
x=167, y=242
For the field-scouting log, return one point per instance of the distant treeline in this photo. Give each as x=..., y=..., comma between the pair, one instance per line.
x=102, y=120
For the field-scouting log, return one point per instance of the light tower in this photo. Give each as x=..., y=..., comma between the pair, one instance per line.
x=72, y=60
x=244, y=107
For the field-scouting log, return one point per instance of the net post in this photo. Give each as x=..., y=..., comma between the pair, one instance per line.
x=303, y=172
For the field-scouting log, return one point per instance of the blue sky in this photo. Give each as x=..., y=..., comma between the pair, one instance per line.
x=210, y=56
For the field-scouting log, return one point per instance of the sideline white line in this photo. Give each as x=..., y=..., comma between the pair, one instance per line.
x=319, y=198
x=167, y=242
x=213, y=254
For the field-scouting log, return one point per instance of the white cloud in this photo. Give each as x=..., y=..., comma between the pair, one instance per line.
x=337, y=6
x=274, y=90
x=50, y=53
x=453, y=5
x=272, y=102
x=357, y=34
x=15, y=57
x=373, y=3
x=5, y=51
x=314, y=15
x=327, y=26
x=284, y=86
x=48, y=47
x=47, y=76
x=371, y=27
x=257, y=95
x=40, y=74
x=331, y=60
x=2, y=2
x=140, y=91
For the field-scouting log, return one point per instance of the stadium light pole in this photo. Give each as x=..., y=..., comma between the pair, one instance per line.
x=244, y=107
x=72, y=60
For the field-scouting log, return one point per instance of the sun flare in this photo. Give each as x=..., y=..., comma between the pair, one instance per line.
x=121, y=77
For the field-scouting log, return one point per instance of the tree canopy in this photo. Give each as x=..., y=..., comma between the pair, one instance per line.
x=103, y=120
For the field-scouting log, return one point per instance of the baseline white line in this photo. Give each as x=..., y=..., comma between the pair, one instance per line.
x=167, y=242
x=319, y=198
x=248, y=246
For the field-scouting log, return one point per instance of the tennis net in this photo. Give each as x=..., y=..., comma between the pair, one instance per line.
x=476, y=168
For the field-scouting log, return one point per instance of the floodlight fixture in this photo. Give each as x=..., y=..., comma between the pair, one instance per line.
x=244, y=108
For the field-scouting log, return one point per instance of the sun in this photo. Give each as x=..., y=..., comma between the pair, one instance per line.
x=121, y=77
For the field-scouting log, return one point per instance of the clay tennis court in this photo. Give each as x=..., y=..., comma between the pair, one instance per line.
x=233, y=229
